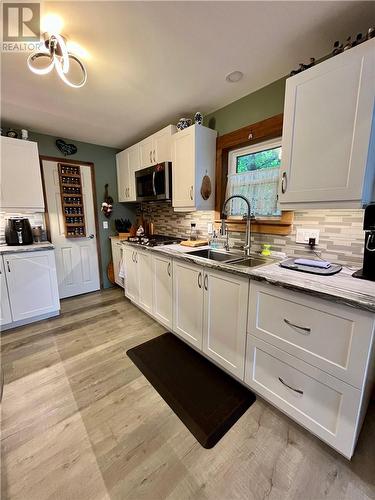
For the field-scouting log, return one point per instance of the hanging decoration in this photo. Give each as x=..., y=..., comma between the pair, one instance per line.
x=66, y=149
x=107, y=205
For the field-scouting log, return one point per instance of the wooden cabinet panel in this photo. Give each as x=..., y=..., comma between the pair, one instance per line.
x=131, y=273
x=225, y=315
x=333, y=337
x=328, y=114
x=21, y=181
x=32, y=284
x=325, y=405
x=188, y=302
x=162, y=290
x=145, y=279
x=5, y=312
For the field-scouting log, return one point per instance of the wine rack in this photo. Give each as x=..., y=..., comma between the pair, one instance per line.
x=72, y=200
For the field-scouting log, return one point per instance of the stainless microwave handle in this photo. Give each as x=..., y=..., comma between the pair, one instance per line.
x=153, y=182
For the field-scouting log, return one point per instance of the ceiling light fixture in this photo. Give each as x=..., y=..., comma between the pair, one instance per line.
x=234, y=76
x=58, y=57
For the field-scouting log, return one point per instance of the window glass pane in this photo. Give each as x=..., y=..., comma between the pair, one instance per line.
x=256, y=177
x=255, y=161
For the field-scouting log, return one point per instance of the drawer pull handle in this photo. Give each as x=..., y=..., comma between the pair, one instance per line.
x=303, y=328
x=169, y=269
x=200, y=280
x=290, y=387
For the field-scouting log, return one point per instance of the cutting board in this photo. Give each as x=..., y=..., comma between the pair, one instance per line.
x=194, y=243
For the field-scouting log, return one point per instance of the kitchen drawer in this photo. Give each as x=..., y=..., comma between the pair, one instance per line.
x=333, y=337
x=323, y=404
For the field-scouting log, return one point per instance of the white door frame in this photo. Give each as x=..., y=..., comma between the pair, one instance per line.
x=93, y=187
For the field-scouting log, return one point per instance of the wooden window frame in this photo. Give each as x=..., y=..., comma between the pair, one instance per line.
x=271, y=128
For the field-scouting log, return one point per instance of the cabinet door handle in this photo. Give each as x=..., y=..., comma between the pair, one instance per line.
x=150, y=156
x=284, y=182
x=206, y=282
x=133, y=256
x=200, y=280
x=8, y=266
x=191, y=192
x=303, y=328
x=169, y=269
x=154, y=156
x=290, y=387
x=136, y=257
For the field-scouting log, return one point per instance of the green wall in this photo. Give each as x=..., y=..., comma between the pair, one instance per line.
x=104, y=159
x=259, y=105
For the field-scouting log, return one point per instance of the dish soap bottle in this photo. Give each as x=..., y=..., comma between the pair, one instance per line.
x=193, y=232
x=266, y=251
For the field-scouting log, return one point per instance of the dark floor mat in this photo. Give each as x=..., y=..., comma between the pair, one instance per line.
x=206, y=399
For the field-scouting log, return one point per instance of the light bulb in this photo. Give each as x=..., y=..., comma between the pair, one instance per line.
x=52, y=23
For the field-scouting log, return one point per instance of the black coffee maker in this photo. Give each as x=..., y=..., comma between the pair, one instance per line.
x=18, y=231
x=368, y=270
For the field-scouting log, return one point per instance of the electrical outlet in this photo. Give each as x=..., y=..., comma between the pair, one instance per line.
x=303, y=235
x=210, y=228
x=105, y=224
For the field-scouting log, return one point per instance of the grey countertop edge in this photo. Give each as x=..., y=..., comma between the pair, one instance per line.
x=36, y=247
x=282, y=278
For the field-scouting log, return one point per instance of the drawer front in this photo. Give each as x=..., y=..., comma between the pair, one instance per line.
x=324, y=405
x=333, y=337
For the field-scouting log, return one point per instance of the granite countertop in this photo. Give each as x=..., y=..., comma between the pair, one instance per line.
x=45, y=245
x=340, y=288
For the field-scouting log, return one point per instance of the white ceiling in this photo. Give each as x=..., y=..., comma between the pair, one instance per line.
x=152, y=62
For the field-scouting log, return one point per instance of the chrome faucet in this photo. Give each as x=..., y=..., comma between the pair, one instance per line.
x=248, y=222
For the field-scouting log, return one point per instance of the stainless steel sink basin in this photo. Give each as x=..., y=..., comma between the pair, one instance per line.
x=250, y=262
x=217, y=255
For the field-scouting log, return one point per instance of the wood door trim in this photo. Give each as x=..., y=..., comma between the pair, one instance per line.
x=270, y=128
x=94, y=199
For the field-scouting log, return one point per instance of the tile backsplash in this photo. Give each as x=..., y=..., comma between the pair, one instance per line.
x=341, y=234
x=36, y=219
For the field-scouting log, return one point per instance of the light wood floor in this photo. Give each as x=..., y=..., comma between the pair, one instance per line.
x=79, y=421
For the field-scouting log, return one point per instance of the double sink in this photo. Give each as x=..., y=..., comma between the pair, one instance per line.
x=230, y=258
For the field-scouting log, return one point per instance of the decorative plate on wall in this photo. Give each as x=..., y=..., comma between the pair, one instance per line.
x=206, y=188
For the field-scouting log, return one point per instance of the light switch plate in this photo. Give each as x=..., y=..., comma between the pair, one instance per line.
x=105, y=224
x=303, y=235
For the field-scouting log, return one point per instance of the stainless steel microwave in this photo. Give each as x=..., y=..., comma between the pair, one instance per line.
x=154, y=183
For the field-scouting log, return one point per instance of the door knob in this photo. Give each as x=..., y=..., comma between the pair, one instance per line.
x=91, y=236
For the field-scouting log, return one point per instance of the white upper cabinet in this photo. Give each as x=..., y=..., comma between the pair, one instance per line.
x=328, y=151
x=152, y=150
x=145, y=148
x=122, y=176
x=128, y=161
x=193, y=158
x=157, y=148
x=21, y=181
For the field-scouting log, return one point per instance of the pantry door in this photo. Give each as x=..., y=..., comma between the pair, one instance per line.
x=77, y=260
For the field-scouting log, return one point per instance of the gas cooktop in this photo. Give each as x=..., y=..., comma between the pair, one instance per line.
x=154, y=240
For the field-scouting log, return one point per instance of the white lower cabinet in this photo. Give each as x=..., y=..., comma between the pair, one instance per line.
x=138, y=277
x=131, y=273
x=145, y=279
x=225, y=315
x=311, y=358
x=32, y=284
x=323, y=404
x=116, y=247
x=162, y=290
x=5, y=312
x=188, y=302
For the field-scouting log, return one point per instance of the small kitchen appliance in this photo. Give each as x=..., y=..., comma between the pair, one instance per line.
x=18, y=231
x=368, y=270
x=154, y=183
